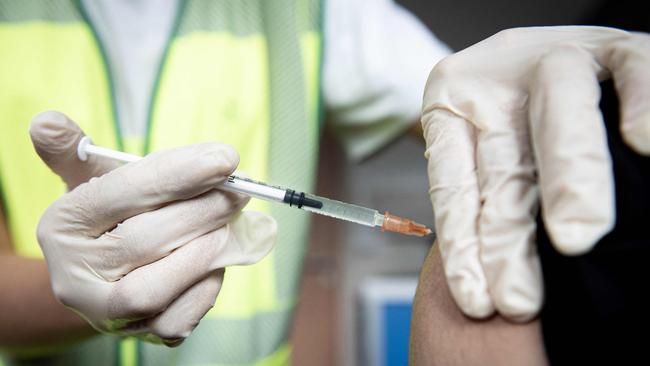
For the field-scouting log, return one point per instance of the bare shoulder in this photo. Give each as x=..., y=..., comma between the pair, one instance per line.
x=442, y=335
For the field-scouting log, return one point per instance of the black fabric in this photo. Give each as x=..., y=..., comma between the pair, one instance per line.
x=631, y=15
x=597, y=305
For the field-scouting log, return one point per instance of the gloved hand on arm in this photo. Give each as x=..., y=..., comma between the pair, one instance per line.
x=512, y=122
x=140, y=249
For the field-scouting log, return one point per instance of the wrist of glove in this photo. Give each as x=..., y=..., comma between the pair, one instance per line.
x=513, y=122
x=140, y=249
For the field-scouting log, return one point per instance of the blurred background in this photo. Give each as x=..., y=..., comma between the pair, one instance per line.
x=358, y=283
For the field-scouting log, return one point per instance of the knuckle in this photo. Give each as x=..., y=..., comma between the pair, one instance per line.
x=637, y=45
x=134, y=300
x=119, y=250
x=85, y=200
x=126, y=240
x=239, y=201
x=173, y=331
x=138, y=305
x=562, y=56
x=507, y=36
x=227, y=202
x=566, y=50
x=209, y=163
x=208, y=248
x=446, y=68
x=62, y=293
x=211, y=210
x=209, y=207
x=217, y=158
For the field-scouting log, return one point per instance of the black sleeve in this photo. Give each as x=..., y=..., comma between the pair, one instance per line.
x=597, y=305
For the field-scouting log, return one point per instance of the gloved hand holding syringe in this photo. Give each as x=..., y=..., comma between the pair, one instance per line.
x=301, y=200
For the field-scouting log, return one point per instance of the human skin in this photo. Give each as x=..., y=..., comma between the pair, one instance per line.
x=442, y=335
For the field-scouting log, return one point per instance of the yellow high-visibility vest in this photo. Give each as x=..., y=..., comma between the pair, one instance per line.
x=245, y=72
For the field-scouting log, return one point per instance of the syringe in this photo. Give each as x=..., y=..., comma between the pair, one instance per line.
x=301, y=200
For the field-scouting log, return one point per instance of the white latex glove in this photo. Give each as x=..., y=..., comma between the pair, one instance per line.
x=486, y=110
x=140, y=250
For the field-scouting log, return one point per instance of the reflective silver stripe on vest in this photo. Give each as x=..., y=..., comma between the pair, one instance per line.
x=219, y=341
x=240, y=18
x=293, y=151
x=97, y=351
x=29, y=10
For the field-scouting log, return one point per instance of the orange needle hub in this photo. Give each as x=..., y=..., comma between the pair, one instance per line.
x=401, y=225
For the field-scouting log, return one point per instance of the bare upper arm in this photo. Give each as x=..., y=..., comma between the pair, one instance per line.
x=442, y=335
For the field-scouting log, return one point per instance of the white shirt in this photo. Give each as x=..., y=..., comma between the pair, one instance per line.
x=377, y=59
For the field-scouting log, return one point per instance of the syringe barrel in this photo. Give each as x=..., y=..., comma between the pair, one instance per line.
x=344, y=211
x=253, y=188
